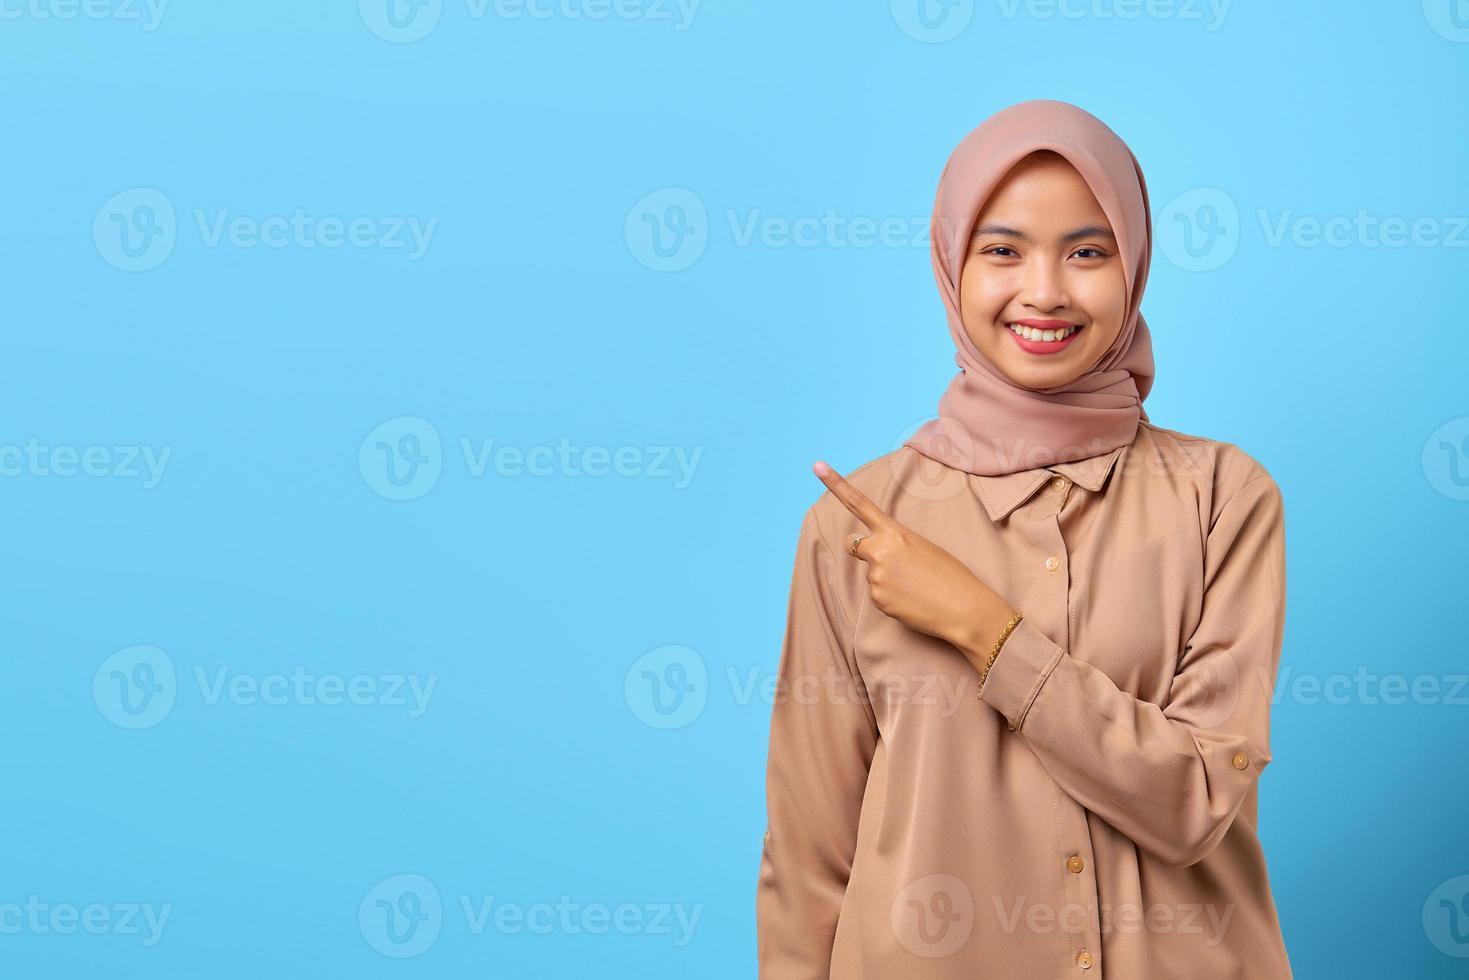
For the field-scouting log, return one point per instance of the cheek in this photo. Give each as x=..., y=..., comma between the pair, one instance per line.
x=1105, y=302
x=983, y=295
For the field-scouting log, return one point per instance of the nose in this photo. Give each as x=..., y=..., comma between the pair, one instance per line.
x=1045, y=287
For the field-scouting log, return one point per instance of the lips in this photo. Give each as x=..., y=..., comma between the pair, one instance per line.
x=1032, y=335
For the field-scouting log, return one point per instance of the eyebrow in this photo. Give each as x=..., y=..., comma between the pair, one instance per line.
x=1090, y=231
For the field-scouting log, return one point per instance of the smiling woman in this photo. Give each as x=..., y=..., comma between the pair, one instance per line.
x=1111, y=591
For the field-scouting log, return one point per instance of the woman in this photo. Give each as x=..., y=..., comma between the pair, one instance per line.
x=1024, y=691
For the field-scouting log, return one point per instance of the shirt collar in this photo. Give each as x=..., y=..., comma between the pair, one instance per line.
x=1002, y=494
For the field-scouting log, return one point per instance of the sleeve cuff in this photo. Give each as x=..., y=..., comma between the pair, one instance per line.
x=1026, y=659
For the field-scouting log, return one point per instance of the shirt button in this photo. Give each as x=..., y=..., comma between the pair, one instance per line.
x=1052, y=564
x=1084, y=960
x=1241, y=761
x=1074, y=864
x=1059, y=483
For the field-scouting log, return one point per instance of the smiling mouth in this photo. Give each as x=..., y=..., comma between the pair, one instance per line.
x=1048, y=335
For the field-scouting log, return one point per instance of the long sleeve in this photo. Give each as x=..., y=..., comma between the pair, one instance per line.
x=1171, y=777
x=822, y=737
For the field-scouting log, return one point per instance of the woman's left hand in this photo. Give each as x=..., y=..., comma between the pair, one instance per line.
x=915, y=581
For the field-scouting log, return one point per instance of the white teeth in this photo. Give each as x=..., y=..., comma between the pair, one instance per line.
x=1031, y=333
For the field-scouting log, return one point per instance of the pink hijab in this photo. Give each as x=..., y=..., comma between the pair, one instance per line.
x=987, y=424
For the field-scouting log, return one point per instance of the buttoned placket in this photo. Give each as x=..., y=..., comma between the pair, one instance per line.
x=1041, y=523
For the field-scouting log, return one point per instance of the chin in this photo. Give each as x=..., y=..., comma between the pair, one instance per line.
x=1031, y=375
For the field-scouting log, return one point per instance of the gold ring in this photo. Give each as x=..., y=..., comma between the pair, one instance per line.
x=852, y=548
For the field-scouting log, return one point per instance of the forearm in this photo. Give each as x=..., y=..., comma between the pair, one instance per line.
x=1171, y=786
x=976, y=636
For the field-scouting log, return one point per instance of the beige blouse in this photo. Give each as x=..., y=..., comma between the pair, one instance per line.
x=1092, y=811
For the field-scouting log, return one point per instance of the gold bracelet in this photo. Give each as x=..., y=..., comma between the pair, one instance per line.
x=995, y=652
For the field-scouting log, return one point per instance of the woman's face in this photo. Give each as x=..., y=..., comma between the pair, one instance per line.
x=1043, y=259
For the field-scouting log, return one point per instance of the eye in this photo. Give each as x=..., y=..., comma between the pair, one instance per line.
x=997, y=249
x=1096, y=252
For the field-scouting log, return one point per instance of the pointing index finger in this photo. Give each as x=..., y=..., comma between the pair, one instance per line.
x=855, y=500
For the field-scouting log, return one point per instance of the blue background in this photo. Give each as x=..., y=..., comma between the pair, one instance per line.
x=547, y=150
